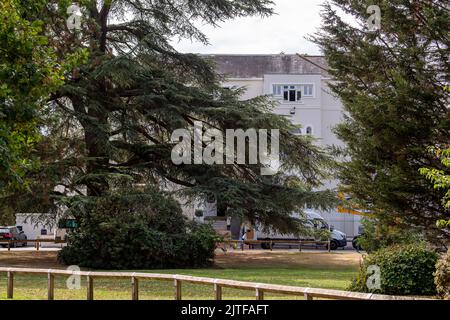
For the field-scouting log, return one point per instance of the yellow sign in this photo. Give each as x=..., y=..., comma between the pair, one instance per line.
x=355, y=211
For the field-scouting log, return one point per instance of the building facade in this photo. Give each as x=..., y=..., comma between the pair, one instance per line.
x=300, y=87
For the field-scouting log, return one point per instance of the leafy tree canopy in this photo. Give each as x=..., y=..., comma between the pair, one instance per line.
x=28, y=72
x=441, y=180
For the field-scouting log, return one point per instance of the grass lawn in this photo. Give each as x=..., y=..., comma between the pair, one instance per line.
x=319, y=270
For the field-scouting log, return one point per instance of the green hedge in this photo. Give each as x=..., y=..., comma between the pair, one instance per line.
x=404, y=270
x=137, y=231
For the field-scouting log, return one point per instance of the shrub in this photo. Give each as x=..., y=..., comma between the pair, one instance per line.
x=442, y=276
x=137, y=231
x=404, y=270
x=378, y=235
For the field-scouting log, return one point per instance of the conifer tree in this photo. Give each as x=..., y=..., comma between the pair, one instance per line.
x=117, y=110
x=392, y=83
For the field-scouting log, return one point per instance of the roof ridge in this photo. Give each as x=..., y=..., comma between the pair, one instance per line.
x=256, y=66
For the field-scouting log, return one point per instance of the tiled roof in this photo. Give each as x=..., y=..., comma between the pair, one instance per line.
x=256, y=66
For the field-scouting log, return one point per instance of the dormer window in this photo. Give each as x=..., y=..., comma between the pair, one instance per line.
x=292, y=93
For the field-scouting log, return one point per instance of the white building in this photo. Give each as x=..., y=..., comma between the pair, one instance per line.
x=300, y=85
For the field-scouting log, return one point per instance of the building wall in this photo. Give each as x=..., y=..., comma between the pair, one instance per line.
x=33, y=223
x=254, y=86
x=322, y=112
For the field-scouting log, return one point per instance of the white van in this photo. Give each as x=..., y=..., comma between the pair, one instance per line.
x=314, y=220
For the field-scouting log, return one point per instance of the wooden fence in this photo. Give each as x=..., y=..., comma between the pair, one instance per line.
x=37, y=242
x=241, y=243
x=218, y=284
x=271, y=243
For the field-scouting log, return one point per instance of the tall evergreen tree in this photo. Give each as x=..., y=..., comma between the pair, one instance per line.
x=134, y=89
x=391, y=82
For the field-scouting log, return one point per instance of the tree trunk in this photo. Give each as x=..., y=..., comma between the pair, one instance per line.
x=96, y=140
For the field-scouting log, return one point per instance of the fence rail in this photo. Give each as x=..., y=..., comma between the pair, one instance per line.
x=258, y=288
x=241, y=243
x=271, y=243
x=37, y=242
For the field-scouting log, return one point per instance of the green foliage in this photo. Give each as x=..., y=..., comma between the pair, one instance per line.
x=441, y=180
x=390, y=82
x=136, y=230
x=404, y=270
x=443, y=224
x=133, y=90
x=125, y=91
x=28, y=73
x=378, y=235
x=442, y=276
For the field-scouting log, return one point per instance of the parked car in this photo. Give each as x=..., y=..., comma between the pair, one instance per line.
x=12, y=233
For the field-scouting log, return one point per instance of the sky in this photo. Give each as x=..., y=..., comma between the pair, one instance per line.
x=283, y=32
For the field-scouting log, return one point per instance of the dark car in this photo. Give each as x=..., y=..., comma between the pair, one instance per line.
x=12, y=233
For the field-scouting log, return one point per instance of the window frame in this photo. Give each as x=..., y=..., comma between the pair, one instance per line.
x=282, y=91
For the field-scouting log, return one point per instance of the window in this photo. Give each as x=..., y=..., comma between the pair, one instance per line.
x=308, y=90
x=309, y=130
x=277, y=90
x=292, y=93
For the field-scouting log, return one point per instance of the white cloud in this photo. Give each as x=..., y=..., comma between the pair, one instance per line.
x=283, y=32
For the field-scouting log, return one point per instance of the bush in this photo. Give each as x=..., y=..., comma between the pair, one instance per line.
x=442, y=276
x=404, y=270
x=377, y=235
x=136, y=231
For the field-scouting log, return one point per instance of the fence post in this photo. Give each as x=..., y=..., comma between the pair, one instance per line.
x=9, y=245
x=10, y=285
x=217, y=292
x=300, y=246
x=90, y=288
x=259, y=294
x=307, y=296
x=37, y=245
x=134, y=288
x=50, y=286
x=177, y=285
